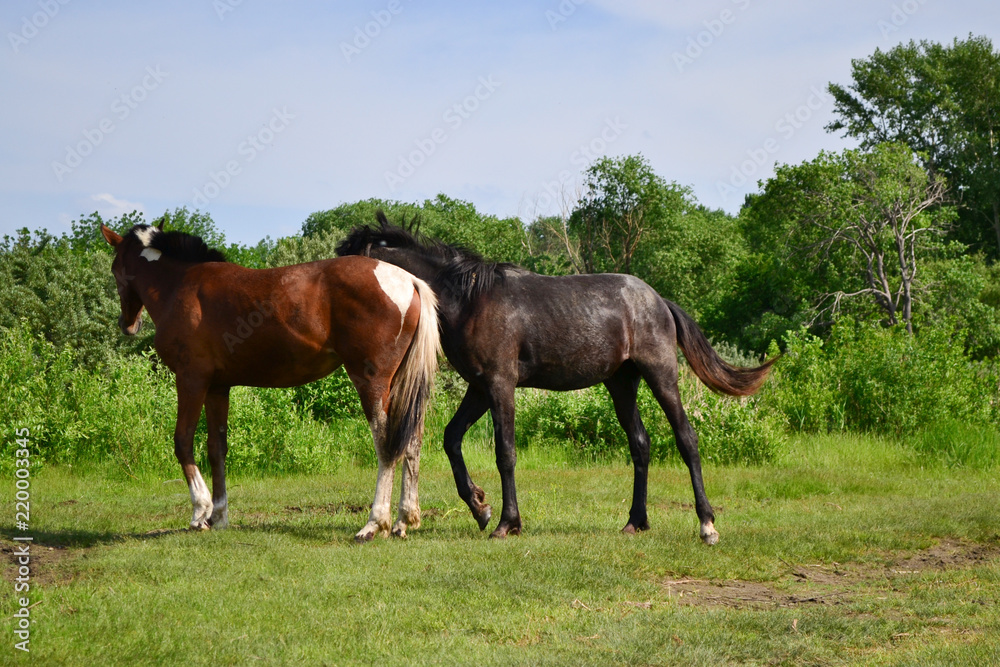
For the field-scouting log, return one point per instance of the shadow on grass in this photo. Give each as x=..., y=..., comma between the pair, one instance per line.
x=335, y=523
x=84, y=539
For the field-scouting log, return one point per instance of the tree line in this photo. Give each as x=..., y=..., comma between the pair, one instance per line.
x=894, y=244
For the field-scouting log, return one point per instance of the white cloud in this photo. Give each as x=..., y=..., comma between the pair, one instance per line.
x=110, y=206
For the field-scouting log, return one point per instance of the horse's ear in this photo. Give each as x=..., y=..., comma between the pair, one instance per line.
x=383, y=221
x=159, y=223
x=110, y=235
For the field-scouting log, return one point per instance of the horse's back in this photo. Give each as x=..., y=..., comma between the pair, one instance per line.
x=281, y=326
x=569, y=332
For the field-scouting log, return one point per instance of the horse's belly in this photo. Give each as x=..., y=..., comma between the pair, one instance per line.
x=277, y=371
x=562, y=375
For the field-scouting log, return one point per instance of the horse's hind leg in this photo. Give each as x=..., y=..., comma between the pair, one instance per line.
x=624, y=387
x=190, y=399
x=409, y=502
x=663, y=382
x=378, y=518
x=217, y=416
x=471, y=410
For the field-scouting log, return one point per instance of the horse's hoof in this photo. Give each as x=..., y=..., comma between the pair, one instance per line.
x=709, y=535
x=484, y=516
x=199, y=525
x=370, y=532
x=503, y=531
x=399, y=530
x=633, y=528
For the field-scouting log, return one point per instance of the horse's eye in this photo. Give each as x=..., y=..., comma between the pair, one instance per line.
x=382, y=244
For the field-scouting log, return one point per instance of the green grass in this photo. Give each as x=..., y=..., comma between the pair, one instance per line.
x=834, y=554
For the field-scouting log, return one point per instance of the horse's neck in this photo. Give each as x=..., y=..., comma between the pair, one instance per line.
x=156, y=283
x=451, y=310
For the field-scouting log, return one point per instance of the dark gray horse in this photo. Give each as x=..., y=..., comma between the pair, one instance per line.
x=504, y=327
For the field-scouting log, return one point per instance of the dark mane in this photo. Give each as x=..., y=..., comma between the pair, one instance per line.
x=181, y=246
x=463, y=271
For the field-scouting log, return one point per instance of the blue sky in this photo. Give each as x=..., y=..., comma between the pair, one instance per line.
x=263, y=112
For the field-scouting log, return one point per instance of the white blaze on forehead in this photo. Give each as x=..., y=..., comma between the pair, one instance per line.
x=146, y=234
x=397, y=285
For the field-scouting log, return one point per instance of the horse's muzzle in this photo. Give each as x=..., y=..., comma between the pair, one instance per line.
x=130, y=329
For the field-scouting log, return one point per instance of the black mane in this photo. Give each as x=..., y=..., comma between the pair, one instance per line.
x=182, y=246
x=463, y=271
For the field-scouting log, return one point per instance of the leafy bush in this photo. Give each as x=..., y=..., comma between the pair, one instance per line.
x=803, y=386
x=125, y=412
x=329, y=399
x=730, y=431
x=882, y=380
x=583, y=422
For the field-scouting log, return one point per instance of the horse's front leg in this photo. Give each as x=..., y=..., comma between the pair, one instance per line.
x=190, y=399
x=217, y=416
x=503, y=434
x=472, y=408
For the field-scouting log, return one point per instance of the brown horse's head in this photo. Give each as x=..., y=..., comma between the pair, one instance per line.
x=130, y=319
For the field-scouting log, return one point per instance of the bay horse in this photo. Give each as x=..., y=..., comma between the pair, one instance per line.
x=505, y=327
x=219, y=325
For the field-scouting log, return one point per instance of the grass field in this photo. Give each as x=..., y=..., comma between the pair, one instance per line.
x=847, y=552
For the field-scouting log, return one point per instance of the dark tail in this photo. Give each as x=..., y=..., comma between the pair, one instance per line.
x=708, y=365
x=411, y=387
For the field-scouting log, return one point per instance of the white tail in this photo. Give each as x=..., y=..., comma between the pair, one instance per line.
x=411, y=387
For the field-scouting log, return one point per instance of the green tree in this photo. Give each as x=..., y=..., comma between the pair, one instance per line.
x=631, y=220
x=449, y=220
x=300, y=249
x=623, y=200
x=858, y=224
x=943, y=101
x=85, y=232
x=690, y=257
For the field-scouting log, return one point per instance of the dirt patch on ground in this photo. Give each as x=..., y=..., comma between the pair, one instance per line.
x=44, y=563
x=829, y=584
x=328, y=508
x=949, y=555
